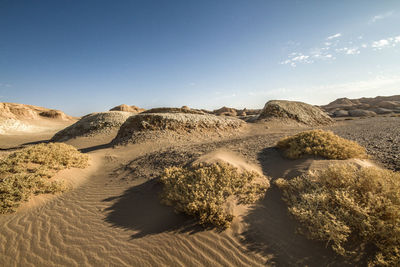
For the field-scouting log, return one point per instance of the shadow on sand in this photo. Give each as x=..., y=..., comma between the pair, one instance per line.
x=271, y=231
x=139, y=209
x=94, y=148
x=25, y=144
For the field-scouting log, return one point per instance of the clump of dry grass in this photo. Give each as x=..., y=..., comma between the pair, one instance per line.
x=352, y=208
x=26, y=172
x=204, y=190
x=320, y=143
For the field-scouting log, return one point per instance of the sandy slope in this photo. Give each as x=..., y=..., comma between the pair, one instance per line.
x=108, y=220
x=114, y=217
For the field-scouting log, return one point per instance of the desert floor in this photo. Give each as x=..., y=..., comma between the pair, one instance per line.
x=113, y=216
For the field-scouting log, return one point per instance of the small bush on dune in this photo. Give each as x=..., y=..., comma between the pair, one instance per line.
x=350, y=208
x=203, y=190
x=320, y=143
x=25, y=172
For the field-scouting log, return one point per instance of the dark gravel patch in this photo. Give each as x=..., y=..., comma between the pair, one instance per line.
x=379, y=135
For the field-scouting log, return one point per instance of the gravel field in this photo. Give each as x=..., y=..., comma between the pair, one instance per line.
x=379, y=135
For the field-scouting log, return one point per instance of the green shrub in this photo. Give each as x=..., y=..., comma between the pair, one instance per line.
x=203, y=190
x=25, y=172
x=320, y=143
x=350, y=208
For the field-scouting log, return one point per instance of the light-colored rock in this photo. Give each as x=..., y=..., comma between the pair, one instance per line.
x=93, y=124
x=173, y=110
x=225, y=111
x=29, y=112
x=297, y=111
x=178, y=123
x=127, y=108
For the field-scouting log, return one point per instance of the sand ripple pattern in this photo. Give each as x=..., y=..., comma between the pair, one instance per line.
x=73, y=230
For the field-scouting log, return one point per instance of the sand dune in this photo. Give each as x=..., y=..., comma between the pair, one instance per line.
x=113, y=216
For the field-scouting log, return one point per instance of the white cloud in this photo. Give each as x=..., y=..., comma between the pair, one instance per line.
x=348, y=50
x=380, y=44
x=333, y=36
x=295, y=58
x=300, y=58
x=381, y=16
x=329, y=50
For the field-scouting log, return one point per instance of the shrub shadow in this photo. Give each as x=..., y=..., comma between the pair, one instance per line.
x=94, y=148
x=139, y=209
x=271, y=231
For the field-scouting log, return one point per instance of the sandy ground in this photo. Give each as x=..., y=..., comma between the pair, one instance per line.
x=113, y=216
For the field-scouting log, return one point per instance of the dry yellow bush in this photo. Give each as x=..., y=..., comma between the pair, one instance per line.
x=320, y=143
x=351, y=208
x=203, y=190
x=25, y=172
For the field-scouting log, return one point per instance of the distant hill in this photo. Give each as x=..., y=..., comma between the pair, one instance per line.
x=28, y=118
x=365, y=106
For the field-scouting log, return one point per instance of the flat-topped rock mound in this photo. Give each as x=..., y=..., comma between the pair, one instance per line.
x=183, y=109
x=127, y=108
x=298, y=112
x=94, y=124
x=147, y=126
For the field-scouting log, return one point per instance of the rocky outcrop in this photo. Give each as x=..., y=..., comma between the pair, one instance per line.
x=29, y=112
x=225, y=111
x=361, y=113
x=174, y=110
x=21, y=118
x=127, y=108
x=340, y=113
x=377, y=105
x=296, y=111
x=93, y=124
x=143, y=126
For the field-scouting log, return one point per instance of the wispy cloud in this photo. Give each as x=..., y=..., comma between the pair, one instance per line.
x=348, y=50
x=330, y=50
x=381, y=16
x=380, y=44
x=337, y=35
x=295, y=58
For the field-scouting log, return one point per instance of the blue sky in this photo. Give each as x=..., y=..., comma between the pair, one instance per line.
x=86, y=56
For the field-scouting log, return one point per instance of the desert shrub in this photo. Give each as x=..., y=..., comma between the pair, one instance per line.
x=320, y=143
x=204, y=190
x=351, y=208
x=26, y=172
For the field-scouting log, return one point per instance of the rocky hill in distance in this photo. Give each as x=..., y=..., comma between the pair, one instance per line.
x=17, y=118
x=362, y=107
